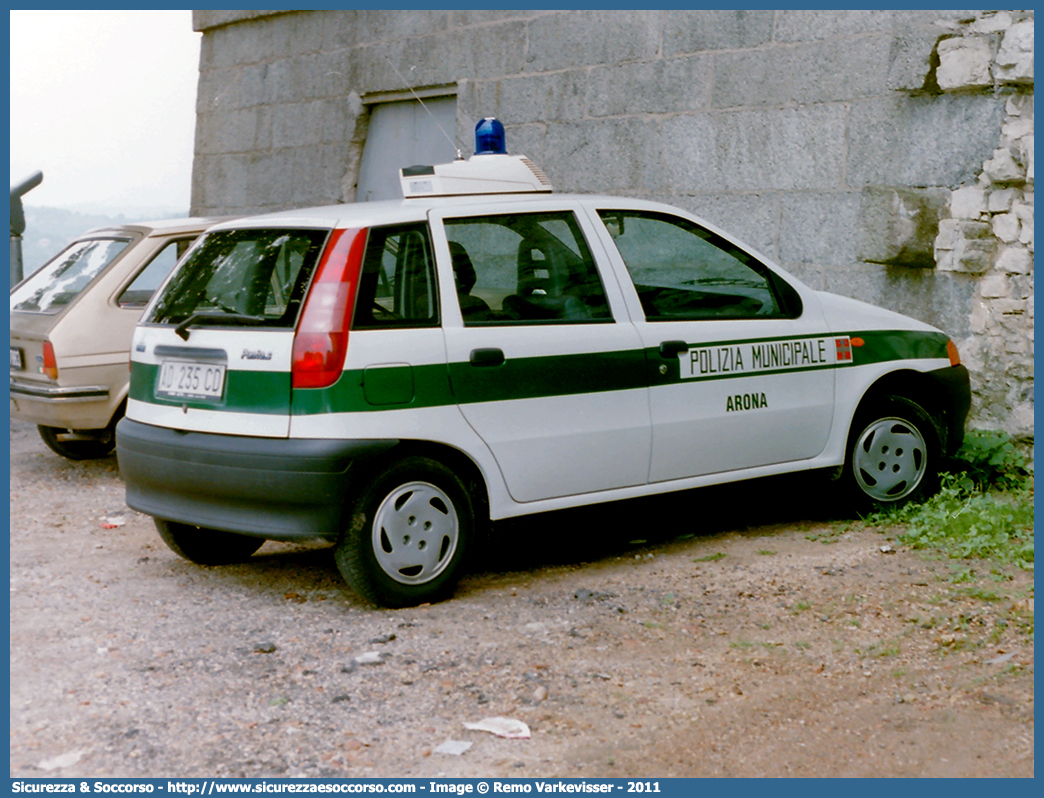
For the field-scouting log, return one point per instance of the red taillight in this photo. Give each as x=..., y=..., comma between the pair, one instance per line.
x=321, y=341
x=50, y=365
x=954, y=355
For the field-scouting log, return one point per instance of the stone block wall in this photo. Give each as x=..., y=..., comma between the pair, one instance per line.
x=885, y=155
x=986, y=235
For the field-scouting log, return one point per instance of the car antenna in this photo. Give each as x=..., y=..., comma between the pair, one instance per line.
x=453, y=144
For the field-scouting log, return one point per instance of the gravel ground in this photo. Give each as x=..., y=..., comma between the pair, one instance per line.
x=727, y=632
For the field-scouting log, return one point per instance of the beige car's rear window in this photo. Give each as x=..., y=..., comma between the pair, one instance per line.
x=65, y=276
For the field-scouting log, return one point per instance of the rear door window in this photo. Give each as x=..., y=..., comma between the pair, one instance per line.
x=65, y=277
x=525, y=268
x=254, y=275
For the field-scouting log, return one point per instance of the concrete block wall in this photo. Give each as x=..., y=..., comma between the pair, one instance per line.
x=885, y=155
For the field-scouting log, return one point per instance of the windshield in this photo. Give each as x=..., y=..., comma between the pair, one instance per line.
x=261, y=274
x=63, y=279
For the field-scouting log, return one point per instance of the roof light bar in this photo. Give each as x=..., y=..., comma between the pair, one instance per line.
x=490, y=171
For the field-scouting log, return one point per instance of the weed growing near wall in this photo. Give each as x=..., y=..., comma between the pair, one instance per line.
x=991, y=461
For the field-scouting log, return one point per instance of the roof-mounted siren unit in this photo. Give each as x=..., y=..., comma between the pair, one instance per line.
x=489, y=171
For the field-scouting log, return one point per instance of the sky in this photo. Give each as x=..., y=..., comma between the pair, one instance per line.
x=103, y=103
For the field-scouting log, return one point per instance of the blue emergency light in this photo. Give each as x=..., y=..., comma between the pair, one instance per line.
x=489, y=137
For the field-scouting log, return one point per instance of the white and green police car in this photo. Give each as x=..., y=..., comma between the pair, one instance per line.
x=392, y=375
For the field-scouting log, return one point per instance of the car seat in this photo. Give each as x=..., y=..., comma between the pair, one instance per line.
x=472, y=308
x=541, y=289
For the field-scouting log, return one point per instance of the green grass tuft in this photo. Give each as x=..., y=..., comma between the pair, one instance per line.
x=983, y=510
x=711, y=557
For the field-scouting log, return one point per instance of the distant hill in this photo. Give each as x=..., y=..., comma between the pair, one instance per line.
x=48, y=230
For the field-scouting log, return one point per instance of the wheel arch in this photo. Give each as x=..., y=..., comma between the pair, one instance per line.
x=454, y=459
x=914, y=386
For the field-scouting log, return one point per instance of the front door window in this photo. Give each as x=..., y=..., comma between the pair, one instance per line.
x=682, y=271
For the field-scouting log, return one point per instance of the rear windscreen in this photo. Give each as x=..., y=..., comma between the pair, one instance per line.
x=261, y=274
x=63, y=278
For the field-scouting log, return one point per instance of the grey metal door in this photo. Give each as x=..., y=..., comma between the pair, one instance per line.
x=402, y=134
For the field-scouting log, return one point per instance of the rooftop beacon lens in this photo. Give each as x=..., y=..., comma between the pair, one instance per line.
x=489, y=137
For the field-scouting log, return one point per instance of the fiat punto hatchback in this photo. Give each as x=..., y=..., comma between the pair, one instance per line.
x=71, y=327
x=390, y=376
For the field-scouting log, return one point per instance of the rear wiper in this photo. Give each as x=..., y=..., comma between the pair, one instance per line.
x=216, y=317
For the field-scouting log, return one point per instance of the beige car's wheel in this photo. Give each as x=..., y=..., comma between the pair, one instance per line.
x=206, y=546
x=76, y=445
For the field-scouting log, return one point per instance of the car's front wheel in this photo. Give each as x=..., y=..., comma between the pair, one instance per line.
x=406, y=541
x=893, y=454
x=206, y=546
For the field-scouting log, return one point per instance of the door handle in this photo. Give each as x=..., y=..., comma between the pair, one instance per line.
x=671, y=349
x=486, y=357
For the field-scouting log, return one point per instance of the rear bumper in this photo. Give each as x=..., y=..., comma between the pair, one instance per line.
x=57, y=394
x=76, y=407
x=276, y=488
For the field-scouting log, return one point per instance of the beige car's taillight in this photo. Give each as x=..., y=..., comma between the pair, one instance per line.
x=50, y=364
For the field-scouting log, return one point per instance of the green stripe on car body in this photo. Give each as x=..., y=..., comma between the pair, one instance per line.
x=880, y=346
x=463, y=383
x=595, y=372
x=437, y=385
x=348, y=395
x=560, y=375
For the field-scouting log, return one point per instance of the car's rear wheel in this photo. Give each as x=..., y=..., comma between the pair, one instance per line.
x=79, y=444
x=410, y=529
x=893, y=454
x=206, y=546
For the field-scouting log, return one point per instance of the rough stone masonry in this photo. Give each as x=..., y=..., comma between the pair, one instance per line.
x=988, y=230
x=885, y=155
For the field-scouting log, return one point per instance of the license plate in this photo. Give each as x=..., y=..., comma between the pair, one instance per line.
x=17, y=358
x=183, y=380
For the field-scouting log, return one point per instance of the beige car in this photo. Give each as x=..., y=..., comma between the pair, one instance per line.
x=71, y=327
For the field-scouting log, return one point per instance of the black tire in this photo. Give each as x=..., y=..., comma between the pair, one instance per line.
x=408, y=535
x=207, y=546
x=893, y=455
x=77, y=445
